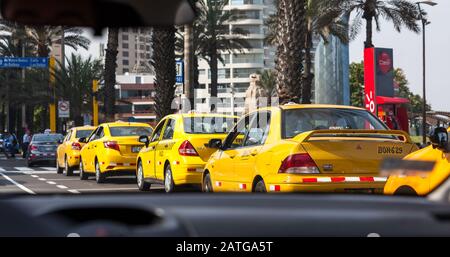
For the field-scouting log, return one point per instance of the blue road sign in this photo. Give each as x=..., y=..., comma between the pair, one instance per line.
x=180, y=72
x=23, y=62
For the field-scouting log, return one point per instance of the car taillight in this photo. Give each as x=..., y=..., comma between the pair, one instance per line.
x=111, y=145
x=76, y=146
x=33, y=147
x=187, y=149
x=299, y=164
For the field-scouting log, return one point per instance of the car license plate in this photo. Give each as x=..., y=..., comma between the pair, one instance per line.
x=136, y=149
x=48, y=149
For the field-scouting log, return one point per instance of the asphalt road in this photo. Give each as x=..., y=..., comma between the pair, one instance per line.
x=17, y=178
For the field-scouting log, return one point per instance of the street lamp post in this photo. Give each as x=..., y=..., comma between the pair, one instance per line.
x=424, y=108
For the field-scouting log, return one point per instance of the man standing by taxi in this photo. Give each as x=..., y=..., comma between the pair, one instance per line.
x=26, y=142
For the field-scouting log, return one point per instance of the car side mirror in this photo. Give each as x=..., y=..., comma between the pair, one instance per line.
x=215, y=143
x=145, y=140
x=439, y=139
x=82, y=140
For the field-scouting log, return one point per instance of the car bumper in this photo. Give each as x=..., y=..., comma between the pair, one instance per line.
x=326, y=184
x=188, y=174
x=41, y=157
x=73, y=160
x=118, y=164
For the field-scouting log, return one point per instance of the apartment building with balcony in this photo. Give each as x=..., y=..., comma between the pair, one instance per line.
x=234, y=73
x=135, y=98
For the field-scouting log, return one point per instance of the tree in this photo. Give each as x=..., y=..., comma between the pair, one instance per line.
x=289, y=40
x=110, y=73
x=212, y=35
x=357, y=84
x=401, y=13
x=163, y=61
x=268, y=82
x=75, y=82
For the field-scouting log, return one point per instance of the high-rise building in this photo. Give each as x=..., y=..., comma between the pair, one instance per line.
x=134, y=51
x=234, y=73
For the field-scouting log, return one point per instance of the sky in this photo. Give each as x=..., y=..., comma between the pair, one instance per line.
x=407, y=53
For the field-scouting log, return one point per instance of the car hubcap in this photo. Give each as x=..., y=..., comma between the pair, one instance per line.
x=97, y=171
x=168, y=181
x=139, y=176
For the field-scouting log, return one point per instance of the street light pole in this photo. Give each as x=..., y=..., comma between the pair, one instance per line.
x=424, y=96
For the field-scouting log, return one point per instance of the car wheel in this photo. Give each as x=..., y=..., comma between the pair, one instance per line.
x=142, y=185
x=83, y=175
x=169, y=185
x=30, y=164
x=99, y=176
x=260, y=187
x=59, y=170
x=68, y=171
x=207, y=184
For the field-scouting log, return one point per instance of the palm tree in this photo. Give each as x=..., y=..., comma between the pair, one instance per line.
x=268, y=82
x=212, y=35
x=321, y=20
x=110, y=73
x=163, y=61
x=290, y=35
x=401, y=13
x=75, y=82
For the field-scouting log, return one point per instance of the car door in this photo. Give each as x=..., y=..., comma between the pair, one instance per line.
x=223, y=163
x=91, y=149
x=62, y=148
x=247, y=155
x=148, y=159
x=164, y=147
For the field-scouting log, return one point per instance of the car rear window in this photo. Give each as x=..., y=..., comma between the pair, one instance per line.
x=47, y=137
x=297, y=121
x=83, y=133
x=208, y=125
x=130, y=131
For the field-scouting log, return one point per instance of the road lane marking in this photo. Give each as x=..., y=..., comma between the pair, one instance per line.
x=74, y=191
x=66, y=179
x=24, y=188
x=61, y=187
x=106, y=189
x=2, y=169
x=42, y=179
x=49, y=169
x=34, y=176
x=23, y=169
x=51, y=183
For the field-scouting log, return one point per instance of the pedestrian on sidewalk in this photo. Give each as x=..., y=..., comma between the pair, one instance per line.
x=26, y=142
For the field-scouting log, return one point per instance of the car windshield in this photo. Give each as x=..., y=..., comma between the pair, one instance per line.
x=298, y=121
x=299, y=97
x=208, y=125
x=38, y=138
x=130, y=131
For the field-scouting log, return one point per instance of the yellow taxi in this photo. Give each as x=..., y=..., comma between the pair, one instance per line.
x=307, y=148
x=425, y=180
x=68, y=152
x=177, y=151
x=111, y=149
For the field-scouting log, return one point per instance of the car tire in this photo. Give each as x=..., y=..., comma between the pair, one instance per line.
x=260, y=187
x=207, y=184
x=68, y=171
x=169, y=185
x=99, y=176
x=142, y=185
x=83, y=175
x=59, y=170
x=30, y=164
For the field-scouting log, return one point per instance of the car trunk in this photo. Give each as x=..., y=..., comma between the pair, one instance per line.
x=46, y=147
x=128, y=144
x=353, y=154
x=199, y=142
